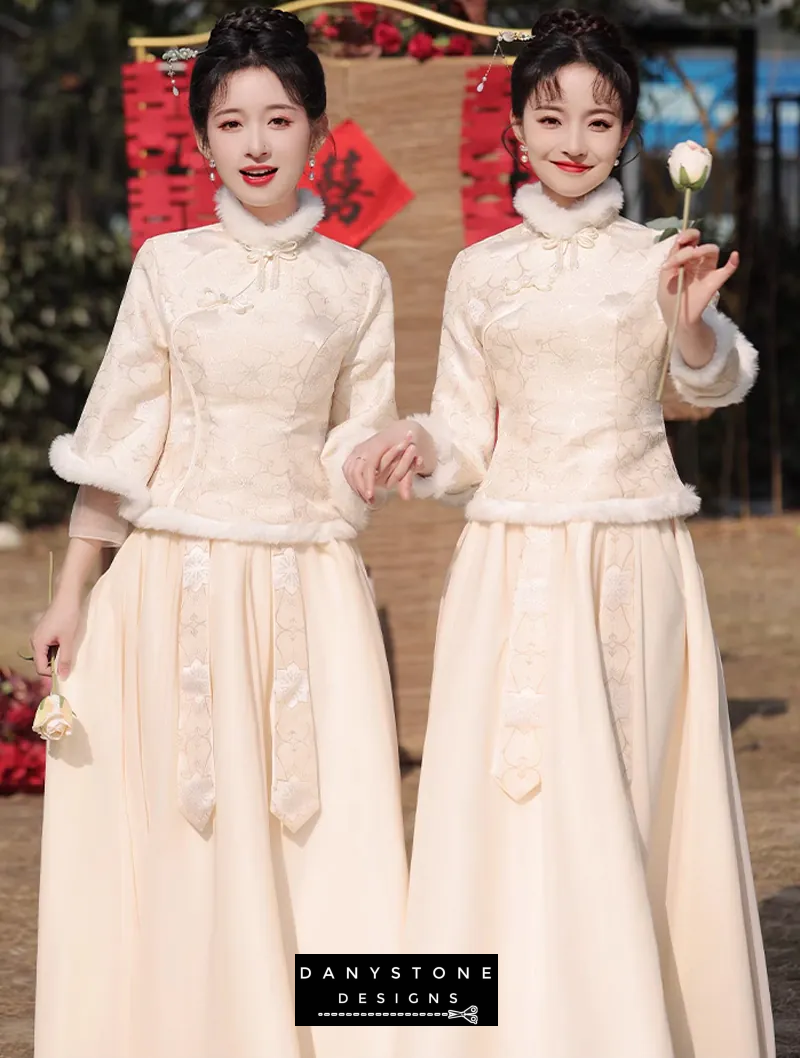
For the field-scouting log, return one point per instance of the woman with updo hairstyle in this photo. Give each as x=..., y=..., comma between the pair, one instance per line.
x=578, y=812
x=229, y=795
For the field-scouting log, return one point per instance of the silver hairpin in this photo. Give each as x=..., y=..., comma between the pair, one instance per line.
x=177, y=55
x=508, y=36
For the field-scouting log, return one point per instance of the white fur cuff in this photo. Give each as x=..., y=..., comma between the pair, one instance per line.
x=445, y=475
x=708, y=386
x=134, y=497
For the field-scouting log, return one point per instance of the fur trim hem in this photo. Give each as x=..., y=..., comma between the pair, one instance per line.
x=595, y=210
x=250, y=231
x=690, y=382
x=443, y=479
x=182, y=523
x=136, y=507
x=134, y=497
x=620, y=511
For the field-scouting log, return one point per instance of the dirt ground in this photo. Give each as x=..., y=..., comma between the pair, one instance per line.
x=751, y=571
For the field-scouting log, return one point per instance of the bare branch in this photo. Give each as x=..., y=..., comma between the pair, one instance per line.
x=702, y=111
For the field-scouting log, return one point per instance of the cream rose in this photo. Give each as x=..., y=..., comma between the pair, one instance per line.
x=53, y=718
x=689, y=166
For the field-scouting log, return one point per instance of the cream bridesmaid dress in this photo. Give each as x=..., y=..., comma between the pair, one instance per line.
x=579, y=813
x=231, y=793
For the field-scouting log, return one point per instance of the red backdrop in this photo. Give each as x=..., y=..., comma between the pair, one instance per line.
x=494, y=172
x=170, y=189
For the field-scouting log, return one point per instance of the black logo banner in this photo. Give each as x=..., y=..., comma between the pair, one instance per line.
x=405, y=989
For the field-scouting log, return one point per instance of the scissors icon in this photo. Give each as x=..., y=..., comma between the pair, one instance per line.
x=470, y=1015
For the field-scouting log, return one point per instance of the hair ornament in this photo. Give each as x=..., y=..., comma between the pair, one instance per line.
x=508, y=36
x=173, y=56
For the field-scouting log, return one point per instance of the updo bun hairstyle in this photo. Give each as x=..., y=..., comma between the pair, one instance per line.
x=257, y=37
x=561, y=38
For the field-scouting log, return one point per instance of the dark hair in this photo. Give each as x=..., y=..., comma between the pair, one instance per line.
x=257, y=37
x=561, y=38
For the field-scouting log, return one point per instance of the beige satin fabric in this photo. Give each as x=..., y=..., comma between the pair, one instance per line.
x=294, y=796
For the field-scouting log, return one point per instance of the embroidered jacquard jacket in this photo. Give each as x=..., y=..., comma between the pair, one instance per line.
x=246, y=363
x=556, y=323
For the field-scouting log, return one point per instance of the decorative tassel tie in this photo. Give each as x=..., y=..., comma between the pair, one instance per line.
x=581, y=240
x=570, y=245
x=263, y=257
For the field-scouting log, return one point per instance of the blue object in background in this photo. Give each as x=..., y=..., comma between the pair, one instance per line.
x=669, y=114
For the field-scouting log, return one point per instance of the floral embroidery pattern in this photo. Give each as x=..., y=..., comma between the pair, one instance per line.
x=196, y=567
x=221, y=411
x=196, y=779
x=518, y=750
x=580, y=434
x=294, y=796
x=617, y=630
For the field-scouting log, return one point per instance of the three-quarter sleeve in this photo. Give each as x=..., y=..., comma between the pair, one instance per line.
x=121, y=434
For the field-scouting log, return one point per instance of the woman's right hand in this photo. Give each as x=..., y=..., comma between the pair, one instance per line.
x=390, y=458
x=58, y=628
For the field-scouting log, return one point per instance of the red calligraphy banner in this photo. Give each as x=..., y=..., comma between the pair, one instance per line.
x=169, y=188
x=490, y=158
x=360, y=189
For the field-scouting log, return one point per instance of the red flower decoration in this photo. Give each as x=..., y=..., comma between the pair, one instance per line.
x=421, y=47
x=459, y=44
x=22, y=753
x=330, y=31
x=19, y=718
x=366, y=14
x=321, y=21
x=388, y=38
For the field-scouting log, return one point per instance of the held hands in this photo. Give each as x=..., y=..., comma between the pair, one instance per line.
x=703, y=278
x=390, y=459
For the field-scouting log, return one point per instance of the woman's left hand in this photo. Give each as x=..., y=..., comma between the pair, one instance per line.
x=703, y=278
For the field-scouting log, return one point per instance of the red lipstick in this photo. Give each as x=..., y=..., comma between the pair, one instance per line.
x=258, y=175
x=573, y=167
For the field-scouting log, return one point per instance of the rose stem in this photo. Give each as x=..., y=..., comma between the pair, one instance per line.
x=54, y=670
x=687, y=197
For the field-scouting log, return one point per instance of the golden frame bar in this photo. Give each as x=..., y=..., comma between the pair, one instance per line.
x=143, y=45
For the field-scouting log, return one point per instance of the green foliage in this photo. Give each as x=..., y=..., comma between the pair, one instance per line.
x=60, y=287
x=62, y=268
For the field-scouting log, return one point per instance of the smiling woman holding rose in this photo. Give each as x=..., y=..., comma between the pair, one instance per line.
x=229, y=794
x=578, y=808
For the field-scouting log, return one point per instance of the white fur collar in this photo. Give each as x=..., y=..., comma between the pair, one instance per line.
x=247, y=229
x=595, y=210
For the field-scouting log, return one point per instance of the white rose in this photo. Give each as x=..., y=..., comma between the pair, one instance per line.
x=689, y=166
x=53, y=718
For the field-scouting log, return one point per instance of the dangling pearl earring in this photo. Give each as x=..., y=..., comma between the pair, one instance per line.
x=312, y=162
x=523, y=151
x=616, y=161
x=212, y=166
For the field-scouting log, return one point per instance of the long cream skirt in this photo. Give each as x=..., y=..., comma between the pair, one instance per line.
x=578, y=812
x=161, y=941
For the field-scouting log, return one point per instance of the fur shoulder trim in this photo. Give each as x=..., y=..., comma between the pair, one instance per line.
x=680, y=504
x=240, y=223
x=595, y=210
